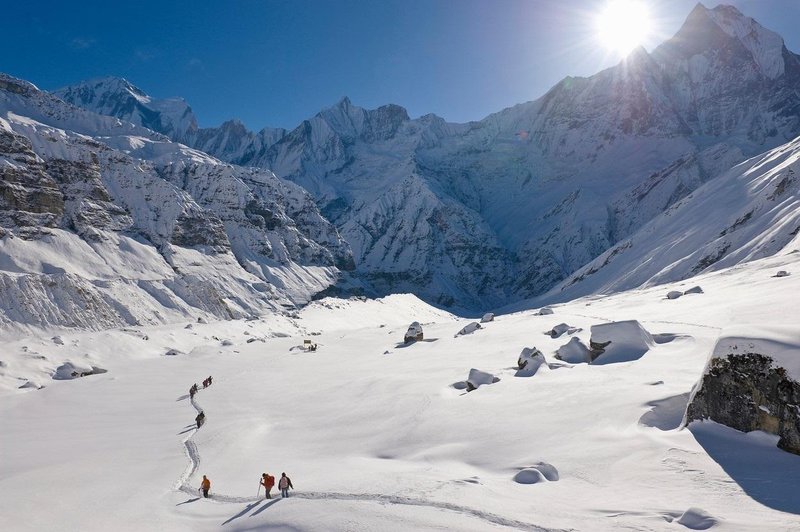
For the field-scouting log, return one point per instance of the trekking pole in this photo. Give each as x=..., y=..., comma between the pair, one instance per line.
x=259, y=489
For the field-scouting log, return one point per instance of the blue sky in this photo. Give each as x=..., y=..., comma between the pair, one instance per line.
x=277, y=62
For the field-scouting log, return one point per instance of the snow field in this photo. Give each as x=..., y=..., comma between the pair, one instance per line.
x=374, y=436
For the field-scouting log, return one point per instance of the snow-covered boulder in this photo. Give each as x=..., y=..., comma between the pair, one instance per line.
x=782, y=273
x=174, y=352
x=696, y=519
x=529, y=362
x=574, y=352
x=752, y=382
x=674, y=294
x=544, y=311
x=693, y=290
x=529, y=475
x=540, y=472
x=74, y=370
x=487, y=317
x=621, y=341
x=57, y=340
x=414, y=333
x=560, y=329
x=227, y=342
x=478, y=378
x=469, y=328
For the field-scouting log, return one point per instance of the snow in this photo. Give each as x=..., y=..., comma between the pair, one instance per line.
x=574, y=352
x=782, y=344
x=377, y=441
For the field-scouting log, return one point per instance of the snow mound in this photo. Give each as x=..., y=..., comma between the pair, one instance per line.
x=487, y=317
x=529, y=476
x=574, y=352
x=540, y=472
x=674, y=294
x=74, y=370
x=478, y=378
x=227, y=342
x=697, y=519
x=469, y=328
x=621, y=341
x=529, y=362
x=560, y=329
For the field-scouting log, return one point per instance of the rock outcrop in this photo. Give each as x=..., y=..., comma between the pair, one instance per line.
x=751, y=384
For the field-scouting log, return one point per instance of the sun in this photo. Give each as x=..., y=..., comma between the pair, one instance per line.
x=623, y=25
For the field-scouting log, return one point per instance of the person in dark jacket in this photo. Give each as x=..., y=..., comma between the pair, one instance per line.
x=284, y=484
x=200, y=419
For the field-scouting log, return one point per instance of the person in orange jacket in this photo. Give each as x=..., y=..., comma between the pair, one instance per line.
x=205, y=486
x=268, y=481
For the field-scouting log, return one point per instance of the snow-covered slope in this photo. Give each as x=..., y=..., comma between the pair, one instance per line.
x=105, y=222
x=379, y=435
x=751, y=211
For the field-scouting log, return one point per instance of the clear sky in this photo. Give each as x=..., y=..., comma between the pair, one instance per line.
x=277, y=62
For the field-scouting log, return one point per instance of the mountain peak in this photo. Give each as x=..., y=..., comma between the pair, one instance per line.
x=714, y=29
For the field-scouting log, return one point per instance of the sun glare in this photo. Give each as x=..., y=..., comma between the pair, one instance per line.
x=623, y=25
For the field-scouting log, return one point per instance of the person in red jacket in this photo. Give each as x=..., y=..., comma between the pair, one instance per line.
x=205, y=486
x=268, y=481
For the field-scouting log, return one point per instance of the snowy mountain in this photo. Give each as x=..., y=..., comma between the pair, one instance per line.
x=105, y=222
x=481, y=214
x=750, y=212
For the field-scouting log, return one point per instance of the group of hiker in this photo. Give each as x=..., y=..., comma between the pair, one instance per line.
x=267, y=480
x=194, y=389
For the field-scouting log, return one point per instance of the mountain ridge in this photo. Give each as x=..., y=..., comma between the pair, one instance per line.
x=546, y=186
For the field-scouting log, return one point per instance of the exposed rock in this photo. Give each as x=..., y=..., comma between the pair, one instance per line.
x=748, y=391
x=693, y=290
x=487, y=317
x=414, y=333
x=674, y=294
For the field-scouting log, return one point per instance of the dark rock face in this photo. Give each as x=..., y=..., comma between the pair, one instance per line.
x=747, y=392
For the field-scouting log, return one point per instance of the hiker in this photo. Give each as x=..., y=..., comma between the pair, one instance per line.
x=205, y=383
x=209, y=380
x=268, y=481
x=284, y=484
x=205, y=486
x=191, y=392
x=201, y=417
